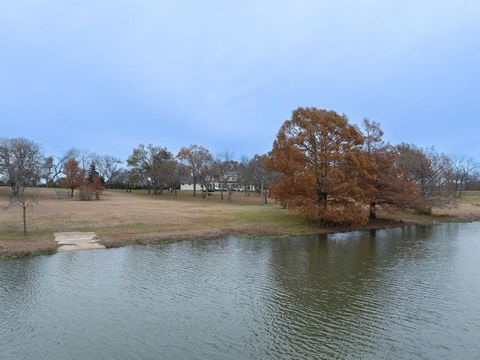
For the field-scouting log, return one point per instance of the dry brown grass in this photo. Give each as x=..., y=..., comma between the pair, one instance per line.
x=121, y=218
x=452, y=210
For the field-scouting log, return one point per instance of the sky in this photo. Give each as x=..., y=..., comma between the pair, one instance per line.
x=107, y=75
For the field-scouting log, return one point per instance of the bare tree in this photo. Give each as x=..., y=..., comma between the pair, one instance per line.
x=182, y=175
x=261, y=178
x=140, y=162
x=20, y=163
x=226, y=170
x=426, y=167
x=24, y=200
x=206, y=172
x=173, y=173
x=200, y=163
x=462, y=170
x=244, y=176
x=108, y=168
x=474, y=183
x=154, y=165
x=52, y=167
x=48, y=170
x=120, y=181
x=85, y=159
x=135, y=179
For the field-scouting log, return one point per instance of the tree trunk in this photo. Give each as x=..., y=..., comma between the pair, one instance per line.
x=322, y=197
x=194, y=187
x=15, y=190
x=373, y=210
x=221, y=193
x=24, y=208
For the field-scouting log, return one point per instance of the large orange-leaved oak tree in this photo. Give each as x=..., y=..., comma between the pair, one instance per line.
x=322, y=168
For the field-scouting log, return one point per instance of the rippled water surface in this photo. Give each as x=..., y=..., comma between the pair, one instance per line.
x=411, y=293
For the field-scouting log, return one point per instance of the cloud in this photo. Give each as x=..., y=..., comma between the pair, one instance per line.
x=206, y=71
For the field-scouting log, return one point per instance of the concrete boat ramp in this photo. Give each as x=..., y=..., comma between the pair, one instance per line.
x=69, y=241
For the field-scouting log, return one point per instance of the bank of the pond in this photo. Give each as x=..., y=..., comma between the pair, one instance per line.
x=151, y=238
x=19, y=247
x=27, y=248
x=121, y=219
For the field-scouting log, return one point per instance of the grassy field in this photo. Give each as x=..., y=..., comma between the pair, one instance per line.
x=121, y=218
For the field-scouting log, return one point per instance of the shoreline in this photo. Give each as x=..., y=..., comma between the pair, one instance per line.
x=121, y=219
x=18, y=249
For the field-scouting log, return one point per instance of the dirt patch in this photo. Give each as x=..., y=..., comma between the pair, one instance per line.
x=70, y=241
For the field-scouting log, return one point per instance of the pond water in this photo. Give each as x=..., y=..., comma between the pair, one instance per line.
x=409, y=293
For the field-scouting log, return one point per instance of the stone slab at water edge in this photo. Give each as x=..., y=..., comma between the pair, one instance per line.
x=69, y=241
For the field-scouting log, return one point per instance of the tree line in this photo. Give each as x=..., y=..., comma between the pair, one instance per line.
x=156, y=169
x=320, y=164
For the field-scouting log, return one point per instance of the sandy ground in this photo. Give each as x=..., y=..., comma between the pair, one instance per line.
x=76, y=240
x=120, y=218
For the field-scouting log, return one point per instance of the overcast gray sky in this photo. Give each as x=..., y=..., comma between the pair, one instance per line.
x=107, y=75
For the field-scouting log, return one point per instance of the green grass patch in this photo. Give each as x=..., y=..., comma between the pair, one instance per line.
x=276, y=217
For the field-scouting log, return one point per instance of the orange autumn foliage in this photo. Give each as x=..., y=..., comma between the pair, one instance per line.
x=74, y=176
x=322, y=168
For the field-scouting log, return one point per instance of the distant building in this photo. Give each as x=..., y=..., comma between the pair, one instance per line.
x=186, y=183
